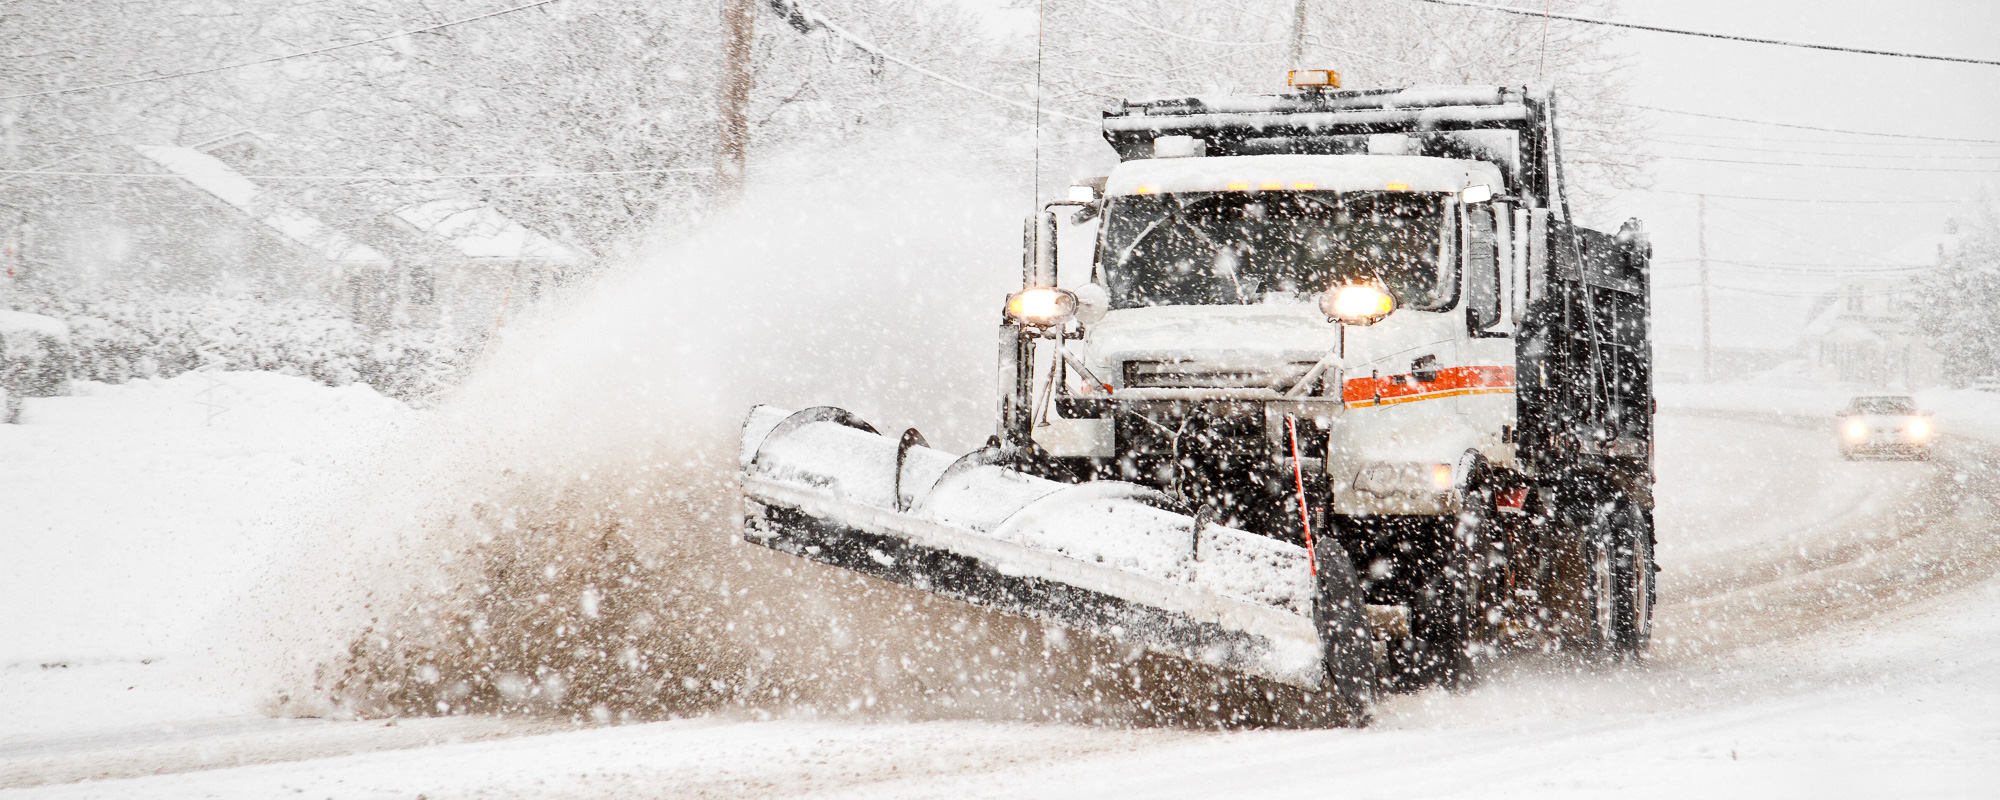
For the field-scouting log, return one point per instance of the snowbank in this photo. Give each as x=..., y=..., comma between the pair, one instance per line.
x=51, y=327
x=128, y=507
x=117, y=334
x=134, y=521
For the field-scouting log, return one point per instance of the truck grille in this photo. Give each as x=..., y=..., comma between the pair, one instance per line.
x=1194, y=375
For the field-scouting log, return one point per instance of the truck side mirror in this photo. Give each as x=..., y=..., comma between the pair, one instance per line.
x=1092, y=303
x=1484, y=291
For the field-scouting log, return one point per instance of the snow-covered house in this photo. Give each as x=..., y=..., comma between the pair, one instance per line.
x=1866, y=334
x=487, y=260
x=352, y=270
x=197, y=219
x=176, y=219
x=456, y=259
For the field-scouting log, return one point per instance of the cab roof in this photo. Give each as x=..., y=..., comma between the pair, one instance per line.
x=1336, y=173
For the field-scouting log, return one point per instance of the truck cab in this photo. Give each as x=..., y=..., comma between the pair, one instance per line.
x=1366, y=314
x=1213, y=269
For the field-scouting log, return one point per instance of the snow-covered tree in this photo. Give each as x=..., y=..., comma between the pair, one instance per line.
x=1955, y=304
x=614, y=102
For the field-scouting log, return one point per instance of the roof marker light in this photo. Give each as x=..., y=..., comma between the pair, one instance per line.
x=1325, y=78
x=1398, y=187
x=1271, y=186
x=1304, y=186
x=1239, y=187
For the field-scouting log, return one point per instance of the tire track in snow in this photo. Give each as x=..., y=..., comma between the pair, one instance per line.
x=1937, y=534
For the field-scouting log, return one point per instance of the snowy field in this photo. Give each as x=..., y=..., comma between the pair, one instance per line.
x=1826, y=629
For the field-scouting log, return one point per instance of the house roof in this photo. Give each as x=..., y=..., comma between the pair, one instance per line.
x=211, y=175
x=477, y=231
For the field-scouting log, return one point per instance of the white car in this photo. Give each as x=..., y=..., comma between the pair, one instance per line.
x=1885, y=426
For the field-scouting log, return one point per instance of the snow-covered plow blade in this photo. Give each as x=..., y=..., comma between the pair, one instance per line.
x=1109, y=558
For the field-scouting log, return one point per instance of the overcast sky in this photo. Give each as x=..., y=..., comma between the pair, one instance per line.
x=1802, y=87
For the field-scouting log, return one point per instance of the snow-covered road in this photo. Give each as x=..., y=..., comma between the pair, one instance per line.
x=1826, y=629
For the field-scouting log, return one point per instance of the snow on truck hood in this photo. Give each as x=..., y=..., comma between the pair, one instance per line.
x=1221, y=335
x=1348, y=173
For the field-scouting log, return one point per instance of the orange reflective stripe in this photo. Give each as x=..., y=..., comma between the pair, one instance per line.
x=1404, y=388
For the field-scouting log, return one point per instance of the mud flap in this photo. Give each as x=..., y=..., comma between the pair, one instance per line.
x=1340, y=618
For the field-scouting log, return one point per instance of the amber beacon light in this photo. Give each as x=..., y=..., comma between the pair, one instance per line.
x=1321, y=78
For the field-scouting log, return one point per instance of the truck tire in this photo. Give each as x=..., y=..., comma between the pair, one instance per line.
x=1450, y=617
x=1435, y=651
x=1347, y=646
x=1634, y=607
x=1620, y=591
x=1475, y=571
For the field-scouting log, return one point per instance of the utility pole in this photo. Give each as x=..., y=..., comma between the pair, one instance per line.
x=1701, y=243
x=1298, y=53
x=732, y=138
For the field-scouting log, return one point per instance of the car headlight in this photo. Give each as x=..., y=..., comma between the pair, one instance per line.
x=1919, y=429
x=1041, y=306
x=1363, y=303
x=1857, y=430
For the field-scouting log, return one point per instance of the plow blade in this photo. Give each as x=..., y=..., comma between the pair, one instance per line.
x=1112, y=559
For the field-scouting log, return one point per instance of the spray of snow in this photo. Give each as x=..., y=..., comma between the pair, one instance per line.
x=564, y=537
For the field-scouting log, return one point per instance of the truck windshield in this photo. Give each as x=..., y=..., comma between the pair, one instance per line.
x=1228, y=248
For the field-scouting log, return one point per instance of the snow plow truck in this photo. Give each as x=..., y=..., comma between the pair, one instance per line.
x=1342, y=400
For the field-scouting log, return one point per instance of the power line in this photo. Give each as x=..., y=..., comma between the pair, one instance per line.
x=1835, y=292
x=1805, y=127
x=1902, y=156
x=1800, y=268
x=363, y=177
x=1827, y=166
x=1164, y=32
x=1526, y=12
x=511, y=175
x=1672, y=157
x=799, y=17
x=302, y=54
x=1815, y=199
x=1756, y=262
x=1672, y=135
x=1810, y=241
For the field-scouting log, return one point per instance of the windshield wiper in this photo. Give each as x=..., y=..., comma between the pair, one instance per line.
x=1217, y=249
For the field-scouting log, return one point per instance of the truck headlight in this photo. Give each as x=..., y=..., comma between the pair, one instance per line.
x=1857, y=430
x=1362, y=303
x=1041, y=306
x=1919, y=429
x=1387, y=479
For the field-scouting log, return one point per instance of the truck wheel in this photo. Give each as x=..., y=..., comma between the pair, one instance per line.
x=1636, y=573
x=1476, y=564
x=1435, y=651
x=1347, y=646
x=1620, y=591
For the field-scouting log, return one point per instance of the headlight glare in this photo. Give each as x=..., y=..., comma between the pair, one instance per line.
x=1364, y=303
x=1041, y=306
x=1857, y=430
